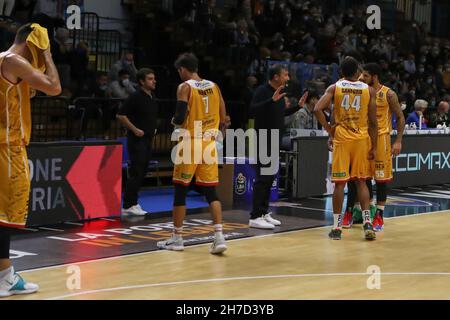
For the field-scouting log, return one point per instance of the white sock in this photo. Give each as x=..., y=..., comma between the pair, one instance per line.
x=6, y=273
x=337, y=221
x=366, y=216
x=177, y=232
x=358, y=205
x=380, y=207
x=372, y=202
x=218, y=230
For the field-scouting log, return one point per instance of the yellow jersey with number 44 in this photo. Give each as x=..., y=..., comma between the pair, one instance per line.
x=351, y=107
x=203, y=107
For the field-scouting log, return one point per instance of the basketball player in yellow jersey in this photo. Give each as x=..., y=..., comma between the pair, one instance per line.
x=200, y=111
x=17, y=77
x=387, y=104
x=354, y=138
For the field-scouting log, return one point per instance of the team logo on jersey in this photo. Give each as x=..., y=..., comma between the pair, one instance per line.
x=241, y=184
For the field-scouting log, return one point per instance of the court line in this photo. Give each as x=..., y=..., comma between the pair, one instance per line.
x=283, y=276
x=208, y=243
x=51, y=229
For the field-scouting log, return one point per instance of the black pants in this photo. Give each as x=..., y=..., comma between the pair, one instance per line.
x=140, y=151
x=261, y=193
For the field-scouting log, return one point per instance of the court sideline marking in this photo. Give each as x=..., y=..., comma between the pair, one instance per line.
x=205, y=244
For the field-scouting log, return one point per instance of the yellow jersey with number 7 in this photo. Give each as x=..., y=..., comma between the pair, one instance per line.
x=351, y=107
x=203, y=107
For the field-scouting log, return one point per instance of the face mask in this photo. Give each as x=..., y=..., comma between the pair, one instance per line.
x=126, y=82
x=104, y=87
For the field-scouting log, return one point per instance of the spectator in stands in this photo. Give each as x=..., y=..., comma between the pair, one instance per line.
x=247, y=95
x=440, y=116
x=62, y=55
x=410, y=64
x=446, y=76
x=414, y=117
x=139, y=115
x=24, y=10
x=258, y=66
x=127, y=64
x=304, y=118
x=79, y=68
x=122, y=87
x=107, y=108
x=6, y=7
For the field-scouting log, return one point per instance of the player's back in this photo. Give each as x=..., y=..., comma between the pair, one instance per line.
x=351, y=107
x=203, y=107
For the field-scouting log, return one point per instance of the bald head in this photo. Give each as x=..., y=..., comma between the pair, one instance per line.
x=443, y=107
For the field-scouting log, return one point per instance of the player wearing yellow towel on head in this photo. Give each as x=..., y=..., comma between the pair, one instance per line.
x=25, y=66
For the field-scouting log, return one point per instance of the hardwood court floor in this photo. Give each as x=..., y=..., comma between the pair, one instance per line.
x=413, y=255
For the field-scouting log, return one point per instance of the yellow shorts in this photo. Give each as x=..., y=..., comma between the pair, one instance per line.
x=382, y=166
x=204, y=166
x=350, y=161
x=14, y=186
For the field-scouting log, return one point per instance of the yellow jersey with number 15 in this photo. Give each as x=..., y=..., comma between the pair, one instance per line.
x=351, y=107
x=203, y=107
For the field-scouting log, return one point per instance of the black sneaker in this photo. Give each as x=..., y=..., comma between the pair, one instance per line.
x=335, y=234
x=369, y=233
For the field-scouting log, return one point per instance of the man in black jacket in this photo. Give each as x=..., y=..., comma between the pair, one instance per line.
x=139, y=114
x=268, y=106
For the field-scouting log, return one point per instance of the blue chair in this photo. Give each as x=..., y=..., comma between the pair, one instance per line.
x=126, y=160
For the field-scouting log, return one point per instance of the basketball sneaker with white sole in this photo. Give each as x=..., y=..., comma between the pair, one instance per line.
x=219, y=245
x=173, y=243
x=260, y=223
x=269, y=219
x=14, y=284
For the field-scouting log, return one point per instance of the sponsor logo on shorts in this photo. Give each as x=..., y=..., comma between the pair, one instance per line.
x=339, y=175
x=186, y=176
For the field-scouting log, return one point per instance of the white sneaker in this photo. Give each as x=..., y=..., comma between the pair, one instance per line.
x=14, y=284
x=269, y=219
x=134, y=210
x=260, y=223
x=219, y=245
x=173, y=243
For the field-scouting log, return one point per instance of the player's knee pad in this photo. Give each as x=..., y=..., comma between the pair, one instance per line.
x=381, y=192
x=210, y=194
x=180, y=195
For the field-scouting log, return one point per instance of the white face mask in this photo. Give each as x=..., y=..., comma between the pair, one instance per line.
x=126, y=82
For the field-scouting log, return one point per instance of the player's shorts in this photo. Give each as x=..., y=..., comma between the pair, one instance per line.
x=350, y=161
x=14, y=186
x=382, y=166
x=204, y=166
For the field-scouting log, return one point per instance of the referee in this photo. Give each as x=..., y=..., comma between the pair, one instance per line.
x=139, y=114
x=269, y=109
